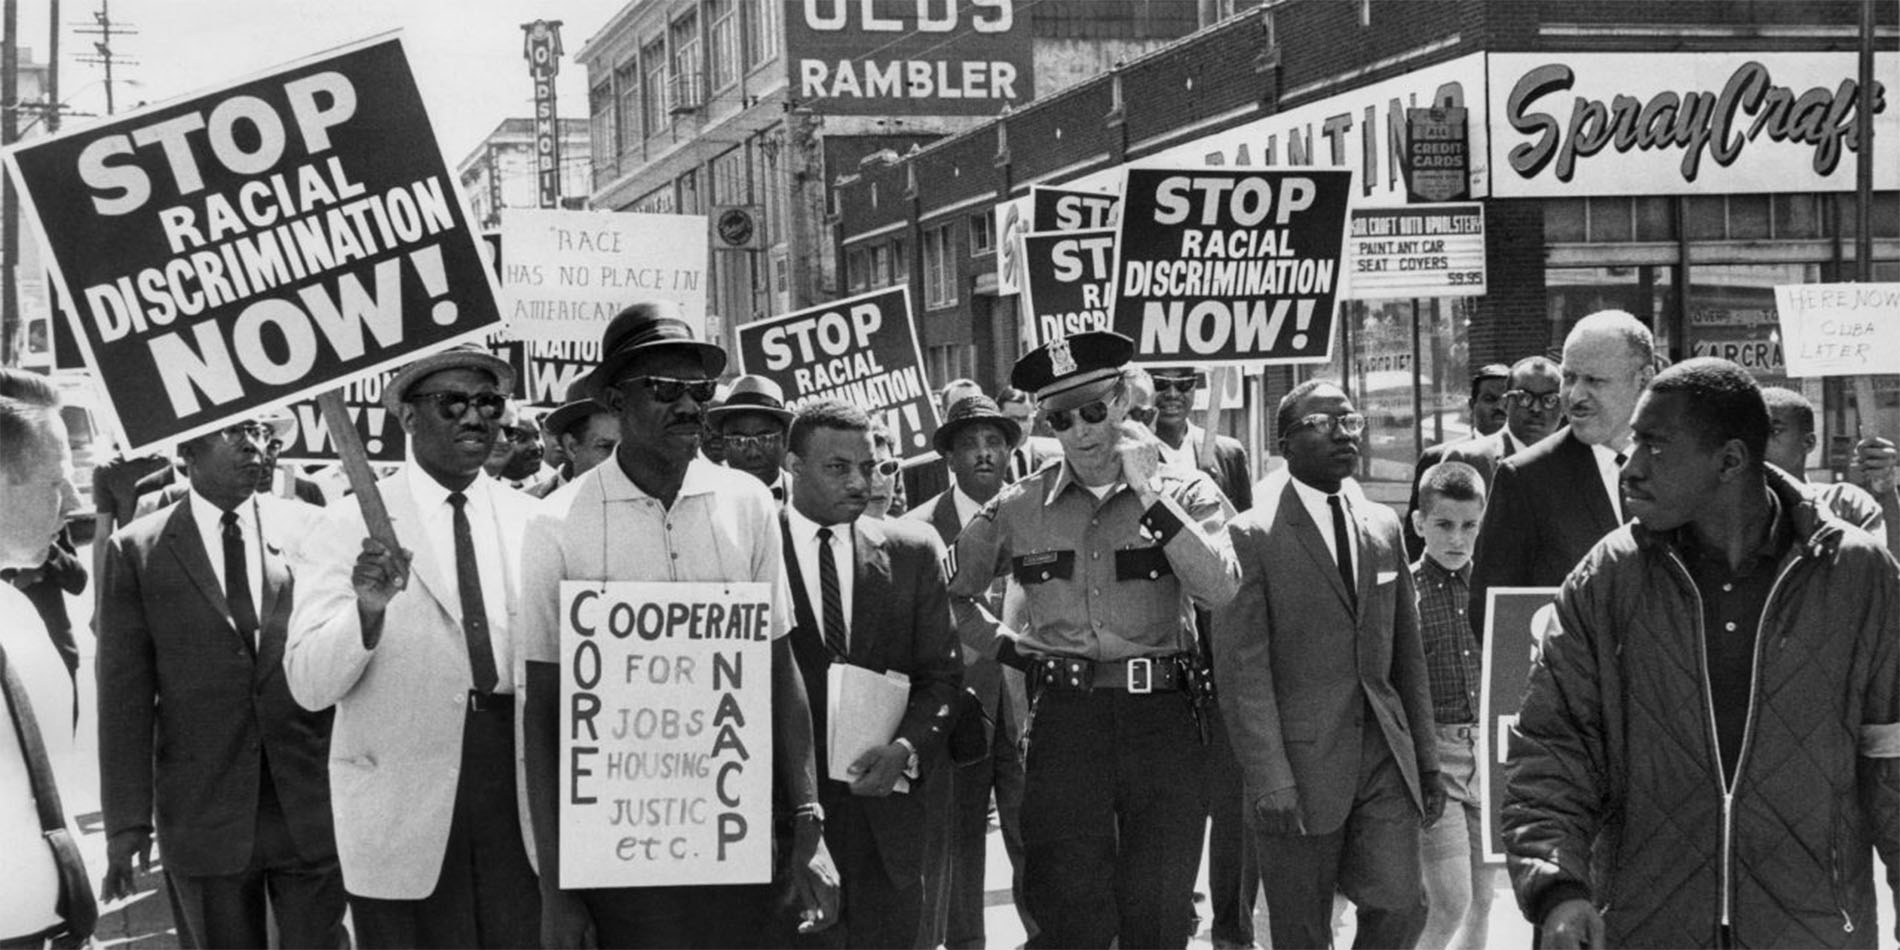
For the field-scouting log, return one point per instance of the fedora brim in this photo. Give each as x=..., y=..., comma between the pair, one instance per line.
x=405, y=378
x=947, y=433
x=716, y=417
x=711, y=358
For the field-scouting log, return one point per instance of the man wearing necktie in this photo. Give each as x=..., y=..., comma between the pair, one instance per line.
x=412, y=647
x=869, y=594
x=199, y=738
x=1324, y=690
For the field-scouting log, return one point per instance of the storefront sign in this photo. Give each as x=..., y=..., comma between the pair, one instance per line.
x=381, y=430
x=1222, y=266
x=1421, y=251
x=1839, y=329
x=569, y=272
x=541, y=46
x=1516, y=618
x=666, y=734
x=1364, y=129
x=902, y=57
x=1437, y=155
x=1573, y=124
x=1068, y=283
x=863, y=350
x=258, y=243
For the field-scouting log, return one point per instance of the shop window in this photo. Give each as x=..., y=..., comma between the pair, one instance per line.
x=1731, y=314
x=1748, y=217
x=1647, y=291
x=1705, y=217
x=1655, y=219
x=940, y=267
x=1406, y=365
x=1612, y=220
x=1797, y=216
x=1886, y=214
x=1564, y=221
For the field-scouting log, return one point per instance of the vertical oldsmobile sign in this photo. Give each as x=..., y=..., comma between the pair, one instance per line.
x=542, y=47
x=902, y=57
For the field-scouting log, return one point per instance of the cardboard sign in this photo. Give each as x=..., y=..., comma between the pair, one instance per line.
x=862, y=350
x=1839, y=329
x=1420, y=251
x=259, y=242
x=1071, y=209
x=568, y=272
x=381, y=430
x=666, y=734
x=1227, y=266
x=1069, y=274
x=1513, y=620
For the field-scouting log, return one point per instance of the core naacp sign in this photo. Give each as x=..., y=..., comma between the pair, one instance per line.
x=258, y=242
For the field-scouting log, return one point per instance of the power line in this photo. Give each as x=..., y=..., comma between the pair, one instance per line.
x=103, y=54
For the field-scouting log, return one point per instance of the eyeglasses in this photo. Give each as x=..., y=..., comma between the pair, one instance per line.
x=1530, y=400
x=1350, y=423
x=1143, y=414
x=668, y=389
x=1179, y=384
x=888, y=467
x=265, y=437
x=453, y=403
x=764, y=442
x=1061, y=419
x=521, y=434
x=884, y=468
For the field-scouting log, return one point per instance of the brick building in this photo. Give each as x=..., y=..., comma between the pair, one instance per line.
x=699, y=106
x=1586, y=206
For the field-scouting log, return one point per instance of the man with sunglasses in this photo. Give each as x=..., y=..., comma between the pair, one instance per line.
x=413, y=649
x=658, y=512
x=1112, y=551
x=1532, y=409
x=199, y=738
x=752, y=425
x=517, y=454
x=1324, y=690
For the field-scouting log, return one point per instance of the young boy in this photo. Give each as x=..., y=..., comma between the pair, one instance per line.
x=1458, y=885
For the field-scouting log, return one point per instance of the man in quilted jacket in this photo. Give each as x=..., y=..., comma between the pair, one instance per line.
x=1706, y=755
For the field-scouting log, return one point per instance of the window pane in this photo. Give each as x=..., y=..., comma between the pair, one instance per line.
x=724, y=34
x=653, y=93
x=1797, y=216
x=1655, y=219
x=1647, y=291
x=1704, y=217
x=1563, y=220
x=627, y=90
x=1612, y=220
x=1747, y=217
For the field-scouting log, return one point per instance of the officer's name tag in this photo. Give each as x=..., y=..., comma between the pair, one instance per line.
x=1043, y=566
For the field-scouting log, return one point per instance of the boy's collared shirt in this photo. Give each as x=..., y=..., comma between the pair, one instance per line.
x=1452, y=657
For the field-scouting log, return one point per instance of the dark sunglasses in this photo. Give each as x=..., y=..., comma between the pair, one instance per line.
x=521, y=434
x=1061, y=419
x=1529, y=400
x=452, y=403
x=668, y=389
x=1179, y=384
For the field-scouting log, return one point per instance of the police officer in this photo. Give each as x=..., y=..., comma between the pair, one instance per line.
x=1112, y=551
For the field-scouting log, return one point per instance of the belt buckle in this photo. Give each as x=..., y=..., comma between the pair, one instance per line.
x=479, y=701
x=1141, y=675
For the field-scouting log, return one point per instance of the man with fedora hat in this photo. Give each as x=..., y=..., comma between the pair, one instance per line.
x=671, y=516
x=975, y=440
x=413, y=648
x=1112, y=551
x=753, y=423
x=585, y=431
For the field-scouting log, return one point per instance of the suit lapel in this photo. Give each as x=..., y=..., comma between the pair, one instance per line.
x=182, y=537
x=424, y=567
x=869, y=589
x=944, y=518
x=1590, y=484
x=1293, y=511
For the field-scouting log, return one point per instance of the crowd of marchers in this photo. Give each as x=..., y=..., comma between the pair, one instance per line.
x=1117, y=642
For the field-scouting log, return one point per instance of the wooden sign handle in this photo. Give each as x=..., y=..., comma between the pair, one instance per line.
x=1210, y=423
x=349, y=448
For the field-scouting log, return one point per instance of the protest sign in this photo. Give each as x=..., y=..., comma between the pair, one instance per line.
x=259, y=242
x=568, y=272
x=666, y=734
x=1515, y=618
x=1070, y=209
x=381, y=430
x=1011, y=223
x=1067, y=292
x=1230, y=266
x=1417, y=251
x=549, y=369
x=1839, y=329
x=862, y=350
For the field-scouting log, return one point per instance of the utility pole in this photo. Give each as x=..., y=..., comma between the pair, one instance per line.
x=52, y=67
x=9, y=216
x=103, y=27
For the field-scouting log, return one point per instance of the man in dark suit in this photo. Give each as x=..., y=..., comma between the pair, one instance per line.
x=198, y=733
x=1531, y=412
x=1324, y=690
x=870, y=594
x=1553, y=501
x=976, y=439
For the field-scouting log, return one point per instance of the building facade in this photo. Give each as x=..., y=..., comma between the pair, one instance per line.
x=1675, y=159
x=758, y=107
x=500, y=172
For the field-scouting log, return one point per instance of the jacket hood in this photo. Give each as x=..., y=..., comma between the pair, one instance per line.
x=1817, y=532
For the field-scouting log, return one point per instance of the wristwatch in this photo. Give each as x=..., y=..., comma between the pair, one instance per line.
x=910, y=764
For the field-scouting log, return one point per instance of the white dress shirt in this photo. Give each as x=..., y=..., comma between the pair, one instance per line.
x=438, y=528
x=843, y=552
x=1611, y=473
x=210, y=521
x=967, y=507
x=31, y=891
x=1321, y=512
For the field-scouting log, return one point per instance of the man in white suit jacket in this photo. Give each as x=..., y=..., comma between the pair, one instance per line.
x=413, y=649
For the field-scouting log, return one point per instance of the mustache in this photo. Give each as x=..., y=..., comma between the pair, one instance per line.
x=695, y=418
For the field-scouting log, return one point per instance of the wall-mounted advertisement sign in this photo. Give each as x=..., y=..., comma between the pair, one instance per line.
x=541, y=46
x=902, y=57
x=1572, y=124
x=1420, y=251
